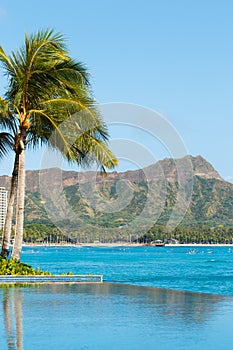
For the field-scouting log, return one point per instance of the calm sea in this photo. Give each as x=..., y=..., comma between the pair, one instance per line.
x=208, y=270
x=152, y=298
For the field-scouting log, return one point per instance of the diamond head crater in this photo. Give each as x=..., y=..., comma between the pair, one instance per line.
x=208, y=217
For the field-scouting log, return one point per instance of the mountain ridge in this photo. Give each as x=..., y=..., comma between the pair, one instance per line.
x=201, y=167
x=211, y=202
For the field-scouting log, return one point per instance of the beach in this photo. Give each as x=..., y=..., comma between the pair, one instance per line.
x=123, y=244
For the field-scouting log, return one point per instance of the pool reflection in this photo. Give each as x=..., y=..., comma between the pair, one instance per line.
x=12, y=306
x=66, y=315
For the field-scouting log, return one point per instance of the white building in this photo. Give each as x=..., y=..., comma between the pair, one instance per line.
x=3, y=206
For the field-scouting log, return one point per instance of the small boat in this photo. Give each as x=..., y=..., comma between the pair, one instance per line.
x=159, y=243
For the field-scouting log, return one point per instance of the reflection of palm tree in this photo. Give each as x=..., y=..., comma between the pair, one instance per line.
x=7, y=318
x=13, y=318
x=18, y=320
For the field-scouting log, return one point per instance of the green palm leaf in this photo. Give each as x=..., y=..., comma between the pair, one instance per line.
x=46, y=89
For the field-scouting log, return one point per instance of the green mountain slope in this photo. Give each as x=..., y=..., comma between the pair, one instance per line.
x=211, y=202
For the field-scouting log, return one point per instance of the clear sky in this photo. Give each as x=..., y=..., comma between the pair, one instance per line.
x=175, y=57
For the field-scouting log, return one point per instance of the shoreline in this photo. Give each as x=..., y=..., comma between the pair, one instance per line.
x=120, y=244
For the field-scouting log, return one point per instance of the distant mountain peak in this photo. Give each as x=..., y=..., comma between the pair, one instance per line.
x=202, y=168
x=163, y=169
x=199, y=166
x=212, y=197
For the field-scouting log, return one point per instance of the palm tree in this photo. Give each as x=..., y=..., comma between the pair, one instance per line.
x=8, y=141
x=86, y=144
x=46, y=86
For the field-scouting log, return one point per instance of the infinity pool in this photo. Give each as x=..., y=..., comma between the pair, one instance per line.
x=111, y=316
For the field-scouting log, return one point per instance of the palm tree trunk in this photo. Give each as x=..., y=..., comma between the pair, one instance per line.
x=10, y=207
x=17, y=246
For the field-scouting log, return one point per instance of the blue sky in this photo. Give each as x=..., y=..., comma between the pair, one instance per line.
x=175, y=57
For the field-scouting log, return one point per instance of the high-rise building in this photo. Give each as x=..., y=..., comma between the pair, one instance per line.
x=3, y=206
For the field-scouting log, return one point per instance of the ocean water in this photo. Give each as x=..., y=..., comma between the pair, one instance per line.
x=208, y=270
x=152, y=298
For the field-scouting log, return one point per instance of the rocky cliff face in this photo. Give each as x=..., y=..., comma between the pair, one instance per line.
x=204, y=169
x=164, y=169
x=211, y=203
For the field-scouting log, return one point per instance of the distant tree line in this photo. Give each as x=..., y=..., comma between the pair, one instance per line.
x=41, y=233
x=194, y=234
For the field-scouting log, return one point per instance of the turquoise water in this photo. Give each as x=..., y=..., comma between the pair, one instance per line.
x=209, y=270
x=112, y=316
x=148, y=301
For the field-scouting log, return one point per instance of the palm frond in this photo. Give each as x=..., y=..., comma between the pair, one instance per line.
x=96, y=151
x=7, y=120
x=46, y=88
x=6, y=143
x=60, y=141
x=7, y=64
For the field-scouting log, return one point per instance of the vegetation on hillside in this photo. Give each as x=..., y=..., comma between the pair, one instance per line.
x=203, y=234
x=193, y=234
x=209, y=218
x=211, y=205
